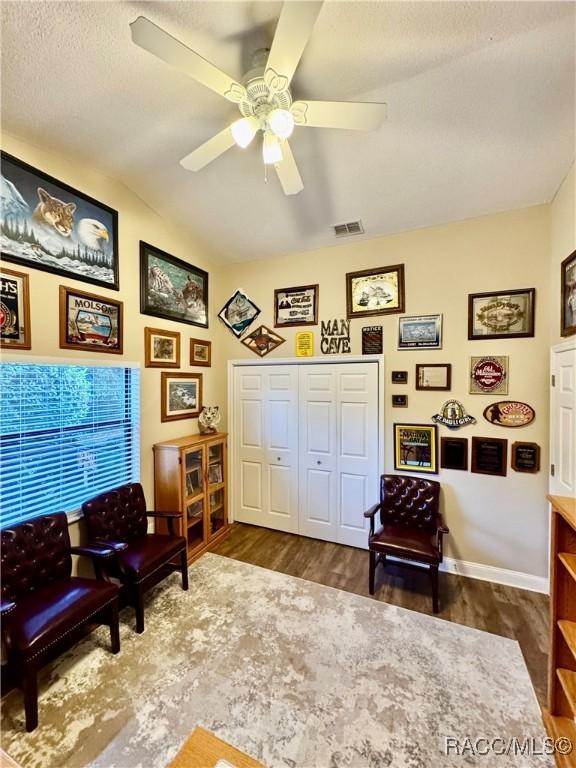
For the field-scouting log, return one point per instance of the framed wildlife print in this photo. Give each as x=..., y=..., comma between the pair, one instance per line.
x=200, y=352
x=90, y=323
x=568, y=295
x=296, y=306
x=375, y=291
x=171, y=288
x=181, y=395
x=239, y=313
x=501, y=315
x=14, y=310
x=489, y=455
x=420, y=332
x=262, y=341
x=415, y=448
x=48, y=225
x=434, y=376
x=161, y=348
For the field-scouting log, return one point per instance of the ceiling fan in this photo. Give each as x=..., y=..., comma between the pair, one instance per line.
x=263, y=97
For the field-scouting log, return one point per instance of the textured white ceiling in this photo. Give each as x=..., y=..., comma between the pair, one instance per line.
x=480, y=111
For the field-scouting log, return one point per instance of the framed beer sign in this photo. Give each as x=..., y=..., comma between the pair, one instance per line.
x=89, y=322
x=296, y=306
x=415, y=448
x=501, y=315
x=14, y=310
x=488, y=375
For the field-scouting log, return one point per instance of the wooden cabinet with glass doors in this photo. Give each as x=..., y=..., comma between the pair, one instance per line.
x=190, y=478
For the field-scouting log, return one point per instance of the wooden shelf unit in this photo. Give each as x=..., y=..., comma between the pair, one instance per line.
x=560, y=717
x=183, y=469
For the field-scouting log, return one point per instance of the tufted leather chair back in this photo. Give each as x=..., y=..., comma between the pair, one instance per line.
x=117, y=515
x=34, y=553
x=409, y=501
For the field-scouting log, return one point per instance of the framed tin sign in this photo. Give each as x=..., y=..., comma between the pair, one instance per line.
x=508, y=413
x=14, y=310
x=296, y=306
x=488, y=375
x=90, y=323
x=502, y=314
x=526, y=457
x=372, y=340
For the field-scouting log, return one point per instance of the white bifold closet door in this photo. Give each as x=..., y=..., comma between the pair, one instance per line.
x=306, y=448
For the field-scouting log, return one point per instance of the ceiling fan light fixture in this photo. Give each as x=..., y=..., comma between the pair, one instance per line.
x=281, y=123
x=271, y=149
x=244, y=130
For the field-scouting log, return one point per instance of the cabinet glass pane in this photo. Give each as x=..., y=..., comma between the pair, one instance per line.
x=195, y=522
x=193, y=470
x=216, y=464
x=217, y=511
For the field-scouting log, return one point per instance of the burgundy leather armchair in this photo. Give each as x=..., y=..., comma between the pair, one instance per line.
x=42, y=602
x=411, y=526
x=118, y=518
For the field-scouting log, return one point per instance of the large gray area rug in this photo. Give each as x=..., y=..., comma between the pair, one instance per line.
x=291, y=672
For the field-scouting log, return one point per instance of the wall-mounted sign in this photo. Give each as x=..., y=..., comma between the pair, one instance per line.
x=489, y=455
x=526, y=457
x=488, y=375
x=305, y=344
x=372, y=340
x=399, y=401
x=508, y=413
x=454, y=453
x=399, y=377
x=263, y=340
x=335, y=337
x=296, y=306
x=422, y=331
x=453, y=415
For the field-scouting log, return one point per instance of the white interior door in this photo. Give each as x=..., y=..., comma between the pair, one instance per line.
x=266, y=446
x=563, y=421
x=338, y=450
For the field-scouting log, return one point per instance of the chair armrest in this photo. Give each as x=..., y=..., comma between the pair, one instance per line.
x=173, y=515
x=440, y=526
x=372, y=511
x=97, y=549
x=6, y=606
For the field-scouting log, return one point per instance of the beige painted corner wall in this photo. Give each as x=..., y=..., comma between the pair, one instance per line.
x=562, y=244
x=496, y=521
x=136, y=222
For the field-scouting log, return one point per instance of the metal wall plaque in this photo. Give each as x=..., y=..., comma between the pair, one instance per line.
x=454, y=453
x=453, y=415
x=508, y=413
x=526, y=457
x=372, y=340
x=489, y=455
x=335, y=337
x=488, y=375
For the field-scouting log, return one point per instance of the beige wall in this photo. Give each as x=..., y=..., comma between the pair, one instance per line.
x=136, y=222
x=562, y=243
x=495, y=521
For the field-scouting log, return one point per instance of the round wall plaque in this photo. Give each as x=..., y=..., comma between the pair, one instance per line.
x=508, y=413
x=488, y=373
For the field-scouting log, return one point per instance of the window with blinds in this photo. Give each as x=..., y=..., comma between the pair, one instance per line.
x=67, y=433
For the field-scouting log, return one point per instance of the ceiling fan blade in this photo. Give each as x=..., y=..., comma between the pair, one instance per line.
x=208, y=151
x=288, y=172
x=353, y=115
x=155, y=40
x=292, y=33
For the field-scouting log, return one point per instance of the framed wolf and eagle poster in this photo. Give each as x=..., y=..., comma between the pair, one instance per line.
x=46, y=224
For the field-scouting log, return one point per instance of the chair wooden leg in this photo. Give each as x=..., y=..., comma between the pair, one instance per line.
x=372, y=570
x=434, y=579
x=114, y=627
x=30, y=689
x=184, y=562
x=139, y=605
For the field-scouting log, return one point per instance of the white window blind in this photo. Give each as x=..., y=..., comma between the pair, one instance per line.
x=67, y=433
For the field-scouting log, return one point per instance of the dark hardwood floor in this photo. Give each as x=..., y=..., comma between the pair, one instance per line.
x=513, y=613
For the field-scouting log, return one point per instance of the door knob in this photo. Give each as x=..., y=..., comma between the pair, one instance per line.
x=278, y=458
x=318, y=462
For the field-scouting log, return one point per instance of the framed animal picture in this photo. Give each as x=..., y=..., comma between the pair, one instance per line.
x=568, y=296
x=200, y=352
x=14, y=310
x=375, y=291
x=181, y=395
x=46, y=224
x=161, y=348
x=90, y=323
x=263, y=340
x=171, y=288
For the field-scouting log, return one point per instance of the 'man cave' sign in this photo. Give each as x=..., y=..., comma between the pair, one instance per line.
x=335, y=337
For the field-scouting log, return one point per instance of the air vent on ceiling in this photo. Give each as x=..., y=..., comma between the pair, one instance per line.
x=345, y=230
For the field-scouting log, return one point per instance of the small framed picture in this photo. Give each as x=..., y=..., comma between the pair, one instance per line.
x=420, y=332
x=161, y=348
x=399, y=401
x=526, y=457
x=489, y=455
x=296, y=306
x=375, y=291
x=415, y=448
x=89, y=322
x=454, y=453
x=239, y=313
x=568, y=295
x=181, y=395
x=501, y=315
x=14, y=310
x=200, y=352
x=399, y=377
x=434, y=376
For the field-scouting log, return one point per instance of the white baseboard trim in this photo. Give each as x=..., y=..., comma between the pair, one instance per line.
x=497, y=575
